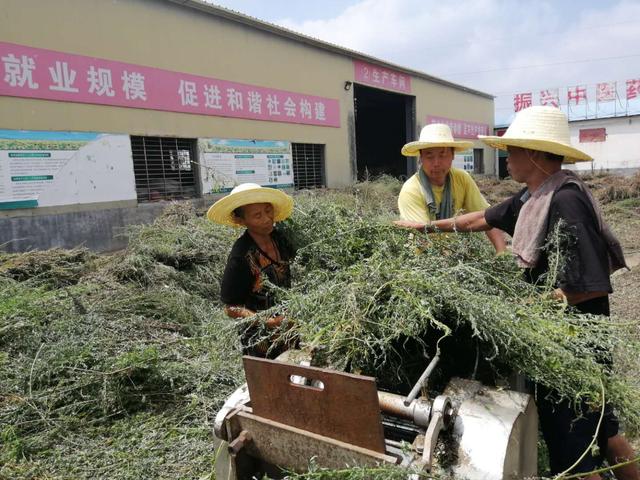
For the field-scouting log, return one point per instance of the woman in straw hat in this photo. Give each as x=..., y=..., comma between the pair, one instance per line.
x=261, y=251
x=439, y=190
x=538, y=143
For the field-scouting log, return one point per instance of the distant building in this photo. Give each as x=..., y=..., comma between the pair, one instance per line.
x=614, y=144
x=110, y=108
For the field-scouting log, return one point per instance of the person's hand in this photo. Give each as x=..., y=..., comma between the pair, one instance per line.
x=410, y=224
x=238, y=311
x=274, y=322
x=556, y=295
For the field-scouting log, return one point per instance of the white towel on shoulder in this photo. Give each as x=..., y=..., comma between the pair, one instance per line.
x=530, y=230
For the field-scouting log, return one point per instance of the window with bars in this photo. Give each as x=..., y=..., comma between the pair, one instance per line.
x=308, y=165
x=164, y=168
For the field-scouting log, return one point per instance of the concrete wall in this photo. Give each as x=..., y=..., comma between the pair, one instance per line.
x=619, y=152
x=101, y=229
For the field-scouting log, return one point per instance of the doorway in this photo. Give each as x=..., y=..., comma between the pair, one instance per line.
x=385, y=121
x=502, y=164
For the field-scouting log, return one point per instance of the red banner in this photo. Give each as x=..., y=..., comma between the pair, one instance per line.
x=588, y=135
x=461, y=128
x=51, y=75
x=378, y=76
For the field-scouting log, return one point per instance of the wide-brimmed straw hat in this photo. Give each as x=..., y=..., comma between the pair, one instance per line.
x=434, y=135
x=246, y=194
x=545, y=129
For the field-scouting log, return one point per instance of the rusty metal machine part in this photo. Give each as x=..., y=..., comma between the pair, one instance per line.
x=266, y=444
x=493, y=434
x=342, y=406
x=418, y=411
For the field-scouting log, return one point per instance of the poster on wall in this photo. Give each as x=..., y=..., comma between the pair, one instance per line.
x=230, y=162
x=464, y=160
x=41, y=168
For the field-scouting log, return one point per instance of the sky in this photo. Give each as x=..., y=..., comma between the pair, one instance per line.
x=502, y=47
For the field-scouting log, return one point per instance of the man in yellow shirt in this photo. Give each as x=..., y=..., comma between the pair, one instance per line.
x=438, y=190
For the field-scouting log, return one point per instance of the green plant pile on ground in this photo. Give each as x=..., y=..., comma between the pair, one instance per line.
x=382, y=472
x=366, y=292
x=113, y=366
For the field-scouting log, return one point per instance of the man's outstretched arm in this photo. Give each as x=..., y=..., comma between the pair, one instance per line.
x=469, y=222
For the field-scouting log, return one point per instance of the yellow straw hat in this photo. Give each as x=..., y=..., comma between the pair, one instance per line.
x=545, y=129
x=434, y=135
x=248, y=193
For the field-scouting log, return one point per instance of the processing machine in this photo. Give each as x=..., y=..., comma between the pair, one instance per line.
x=290, y=415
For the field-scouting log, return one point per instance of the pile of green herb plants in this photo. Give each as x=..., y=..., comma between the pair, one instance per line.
x=114, y=366
x=380, y=300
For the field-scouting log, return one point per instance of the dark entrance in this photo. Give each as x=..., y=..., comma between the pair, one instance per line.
x=384, y=123
x=502, y=164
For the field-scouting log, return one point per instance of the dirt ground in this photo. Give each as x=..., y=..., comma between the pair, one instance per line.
x=626, y=298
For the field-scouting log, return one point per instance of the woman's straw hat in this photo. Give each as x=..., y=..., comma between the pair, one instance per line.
x=539, y=128
x=245, y=194
x=432, y=136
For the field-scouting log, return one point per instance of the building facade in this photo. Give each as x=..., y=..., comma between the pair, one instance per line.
x=110, y=109
x=612, y=142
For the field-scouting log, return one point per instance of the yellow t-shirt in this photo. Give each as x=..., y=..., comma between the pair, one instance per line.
x=466, y=197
